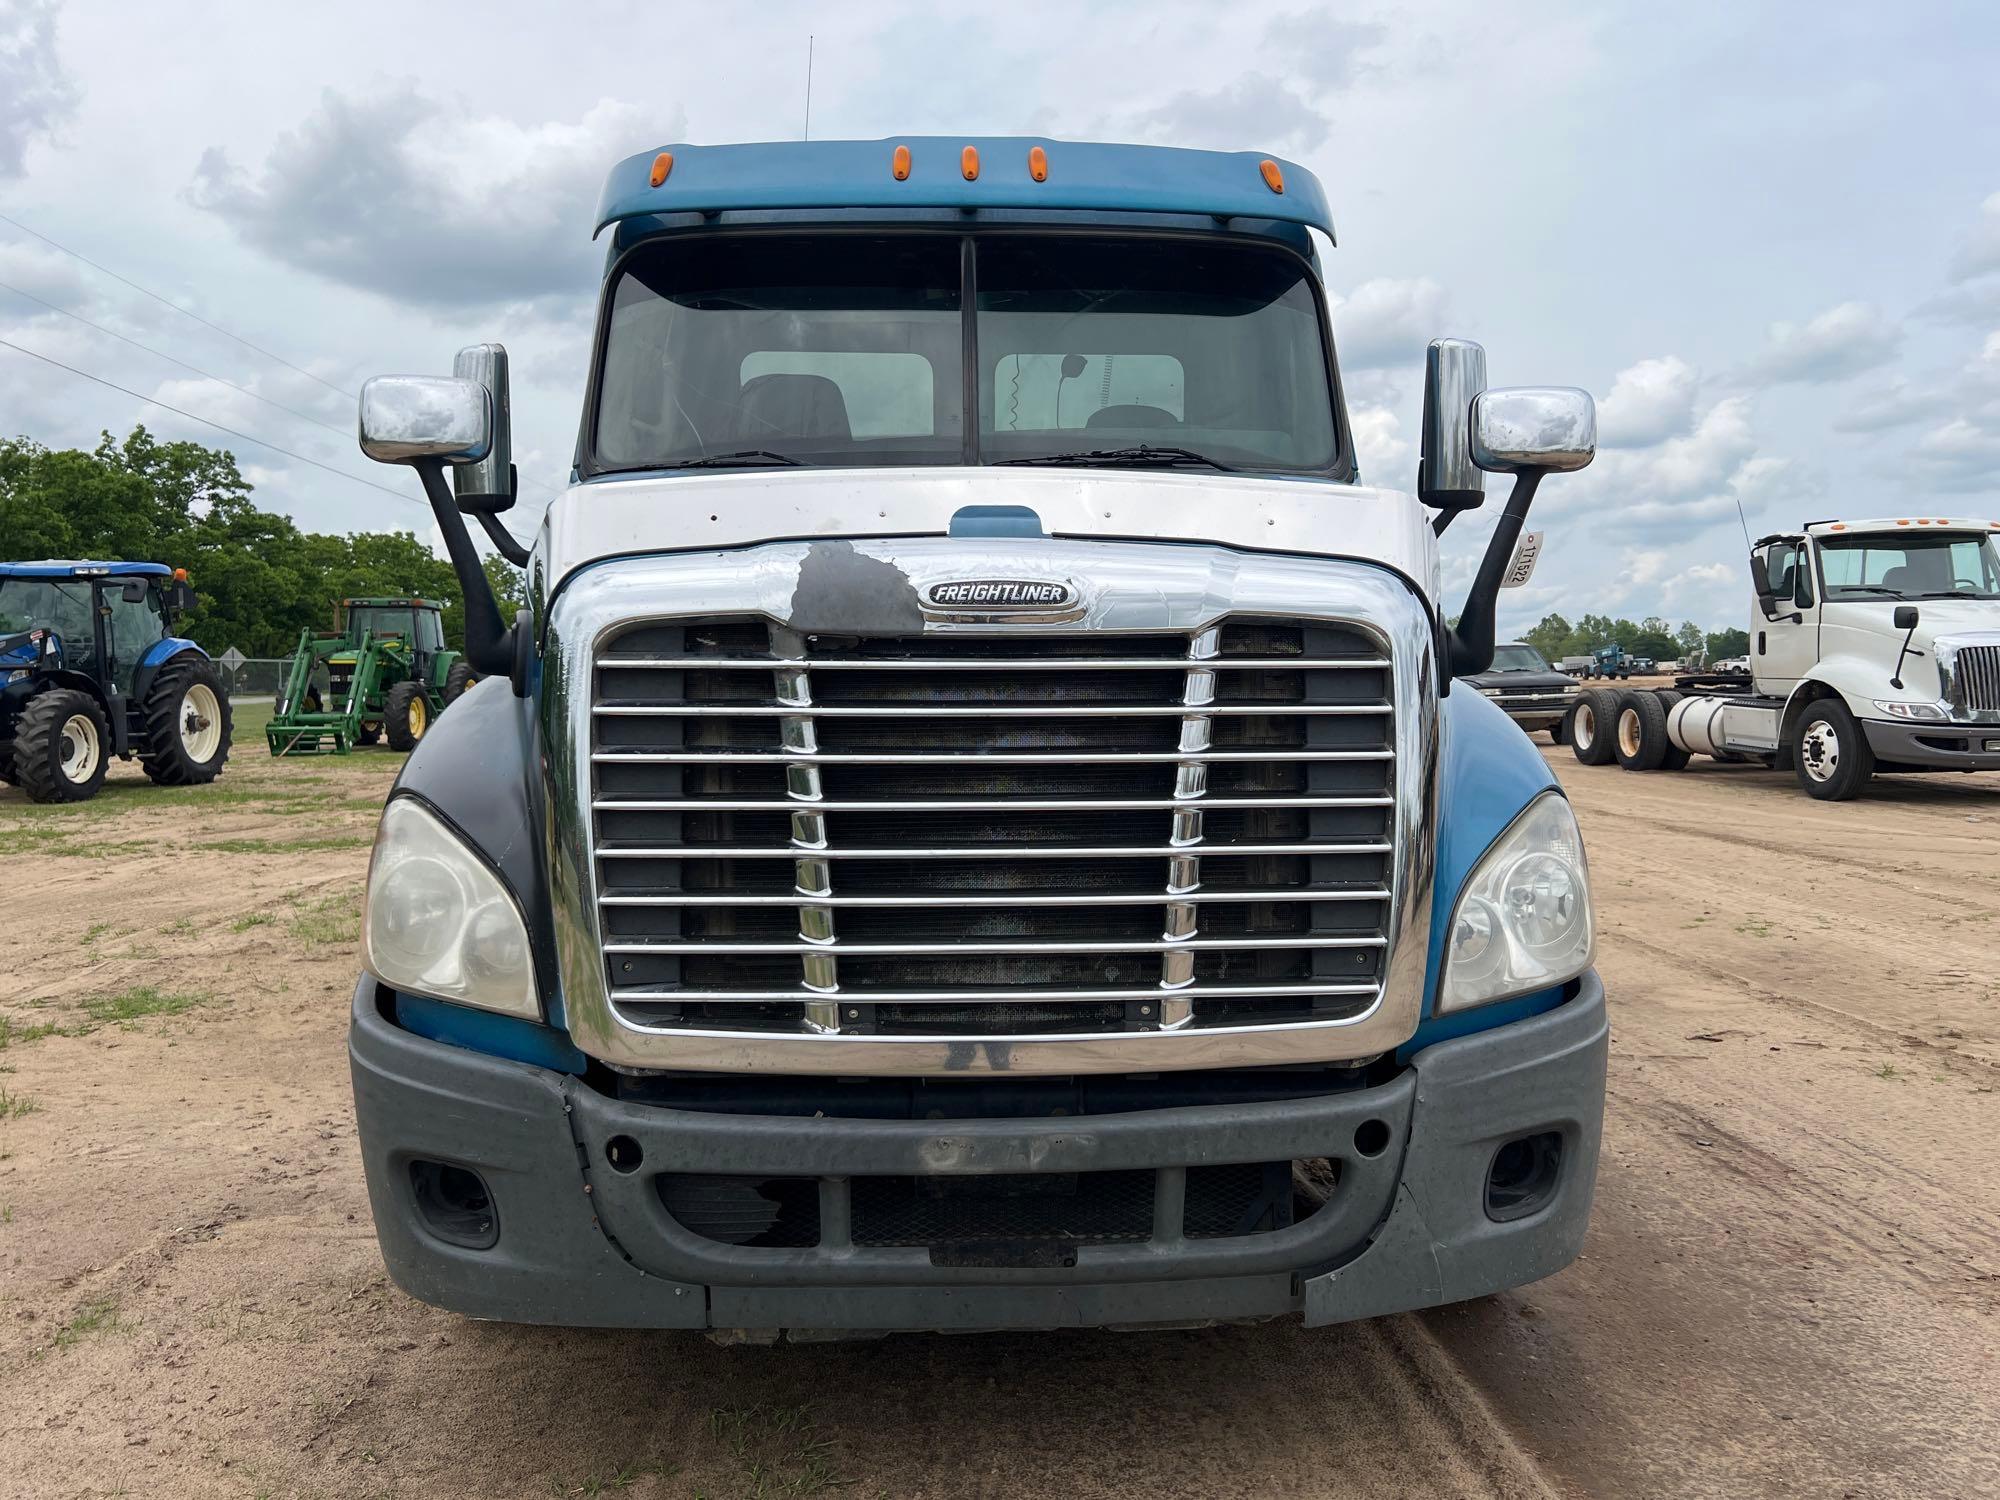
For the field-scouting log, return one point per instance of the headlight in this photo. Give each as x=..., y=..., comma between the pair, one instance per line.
x=1930, y=713
x=438, y=922
x=1524, y=921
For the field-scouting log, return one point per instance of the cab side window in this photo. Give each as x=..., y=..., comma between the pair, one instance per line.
x=1781, y=569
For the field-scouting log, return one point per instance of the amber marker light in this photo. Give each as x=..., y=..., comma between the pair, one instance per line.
x=899, y=164
x=662, y=164
x=1038, y=164
x=968, y=163
x=1273, y=178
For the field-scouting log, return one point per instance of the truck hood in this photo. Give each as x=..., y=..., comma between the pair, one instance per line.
x=617, y=516
x=1955, y=617
x=1521, y=682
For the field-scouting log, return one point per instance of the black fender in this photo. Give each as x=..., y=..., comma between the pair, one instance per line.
x=476, y=767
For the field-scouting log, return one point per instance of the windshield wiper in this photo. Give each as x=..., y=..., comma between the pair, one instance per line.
x=1869, y=588
x=1144, y=453
x=1956, y=594
x=742, y=458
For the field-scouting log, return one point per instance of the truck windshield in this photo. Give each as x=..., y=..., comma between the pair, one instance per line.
x=1942, y=565
x=1518, y=659
x=850, y=350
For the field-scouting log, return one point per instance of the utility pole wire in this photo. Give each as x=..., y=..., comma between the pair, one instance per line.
x=192, y=417
x=166, y=302
x=170, y=359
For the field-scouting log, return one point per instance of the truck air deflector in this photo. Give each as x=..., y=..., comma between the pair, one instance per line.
x=1078, y=175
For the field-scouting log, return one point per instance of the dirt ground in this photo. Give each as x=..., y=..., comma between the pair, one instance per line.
x=1789, y=1288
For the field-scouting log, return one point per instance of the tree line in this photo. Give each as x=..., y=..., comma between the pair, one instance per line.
x=1556, y=638
x=258, y=578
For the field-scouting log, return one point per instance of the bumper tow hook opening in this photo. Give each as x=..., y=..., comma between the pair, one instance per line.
x=1523, y=1176
x=454, y=1204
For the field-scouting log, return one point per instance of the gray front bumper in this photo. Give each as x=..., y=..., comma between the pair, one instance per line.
x=580, y=1243
x=1935, y=747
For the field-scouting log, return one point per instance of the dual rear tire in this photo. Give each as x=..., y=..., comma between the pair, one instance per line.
x=1628, y=727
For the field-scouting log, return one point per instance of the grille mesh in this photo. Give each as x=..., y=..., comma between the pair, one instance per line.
x=1977, y=686
x=992, y=835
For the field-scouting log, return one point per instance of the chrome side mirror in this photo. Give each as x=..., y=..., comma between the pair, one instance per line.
x=1549, y=428
x=488, y=484
x=405, y=418
x=1447, y=478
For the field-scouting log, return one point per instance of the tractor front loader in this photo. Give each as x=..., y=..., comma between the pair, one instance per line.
x=383, y=673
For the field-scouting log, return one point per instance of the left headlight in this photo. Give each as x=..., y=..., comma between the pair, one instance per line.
x=438, y=922
x=1523, y=922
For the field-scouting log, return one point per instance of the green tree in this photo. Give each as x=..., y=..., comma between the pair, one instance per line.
x=1726, y=643
x=509, y=584
x=1550, y=637
x=1690, y=638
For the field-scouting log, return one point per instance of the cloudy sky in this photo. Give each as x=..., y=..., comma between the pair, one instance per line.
x=1767, y=236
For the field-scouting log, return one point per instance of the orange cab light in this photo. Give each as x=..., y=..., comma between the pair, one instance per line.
x=1840, y=526
x=1273, y=178
x=1923, y=521
x=180, y=575
x=899, y=164
x=1902, y=523
x=968, y=163
x=1038, y=164
x=662, y=164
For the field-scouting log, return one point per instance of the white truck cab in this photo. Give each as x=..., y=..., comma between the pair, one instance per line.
x=1874, y=646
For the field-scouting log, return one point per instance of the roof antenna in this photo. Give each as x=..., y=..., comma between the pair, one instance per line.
x=809, y=87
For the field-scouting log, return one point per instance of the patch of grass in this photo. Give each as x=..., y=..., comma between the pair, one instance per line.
x=613, y=1483
x=94, y=1317
x=253, y=919
x=1887, y=1070
x=13, y=1105
x=333, y=922
x=1757, y=927
x=289, y=846
x=95, y=931
x=11, y=1033
x=779, y=1449
x=180, y=927
x=138, y=1002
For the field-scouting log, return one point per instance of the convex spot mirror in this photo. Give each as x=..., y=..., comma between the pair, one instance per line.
x=1524, y=428
x=487, y=486
x=134, y=591
x=179, y=597
x=408, y=418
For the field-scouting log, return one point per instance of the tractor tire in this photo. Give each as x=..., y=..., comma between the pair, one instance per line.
x=1593, y=726
x=406, y=715
x=456, y=681
x=1830, y=752
x=188, y=723
x=368, y=732
x=1641, y=742
x=62, y=747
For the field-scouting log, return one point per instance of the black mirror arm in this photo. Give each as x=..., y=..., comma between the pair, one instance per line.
x=503, y=540
x=489, y=646
x=1896, y=677
x=1472, y=641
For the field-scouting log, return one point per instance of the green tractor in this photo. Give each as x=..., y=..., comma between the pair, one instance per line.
x=384, y=672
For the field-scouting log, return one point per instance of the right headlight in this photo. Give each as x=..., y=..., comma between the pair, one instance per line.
x=1523, y=922
x=438, y=922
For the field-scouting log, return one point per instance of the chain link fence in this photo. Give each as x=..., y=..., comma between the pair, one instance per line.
x=250, y=677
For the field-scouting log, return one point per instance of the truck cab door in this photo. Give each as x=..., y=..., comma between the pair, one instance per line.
x=1784, y=623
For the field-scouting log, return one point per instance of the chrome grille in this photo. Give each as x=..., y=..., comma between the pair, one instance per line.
x=963, y=834
x=1975, y=681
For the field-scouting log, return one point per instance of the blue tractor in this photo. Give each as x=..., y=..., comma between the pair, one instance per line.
x=90, y=668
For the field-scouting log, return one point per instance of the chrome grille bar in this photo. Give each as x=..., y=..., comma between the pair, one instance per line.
x=989, y=851
x=981, y=663
x=988, y=758
x=1179, y=802
x=1096, y=898
x=979, y=996
x=984, y=711
x=812, y=873
x=1168, y=946
x=1184, y=870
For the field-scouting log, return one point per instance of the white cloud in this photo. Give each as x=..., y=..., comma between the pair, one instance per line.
x=1329, y=51
x=1842, y=341
x=392, y=193
x=1649, y=402
x=1256, y=112
x=1979, y=252
x=35, y=93
x=1959, y=454
x=1385, y=455
x=1894, y=404
x=1388, y=321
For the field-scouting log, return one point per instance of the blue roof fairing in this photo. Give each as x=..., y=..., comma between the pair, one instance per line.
x=858, y=174
x=58, y=567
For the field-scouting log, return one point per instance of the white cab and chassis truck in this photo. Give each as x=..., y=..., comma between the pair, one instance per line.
x=974, y=828
x=1875, y=646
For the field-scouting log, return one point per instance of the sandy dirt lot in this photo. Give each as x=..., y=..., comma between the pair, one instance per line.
x=1790, y=1286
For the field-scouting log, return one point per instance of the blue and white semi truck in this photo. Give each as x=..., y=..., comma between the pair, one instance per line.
x=974, y=828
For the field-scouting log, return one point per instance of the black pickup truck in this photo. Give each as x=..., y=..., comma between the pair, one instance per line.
x=1530, y=691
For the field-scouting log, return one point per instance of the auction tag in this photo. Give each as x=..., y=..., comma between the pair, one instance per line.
x=1522, y=568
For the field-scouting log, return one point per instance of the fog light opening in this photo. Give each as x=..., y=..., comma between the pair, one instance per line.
x=454, y=1204
x=623, y=1153
x=1523, y=1177
x=1371, y=1137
